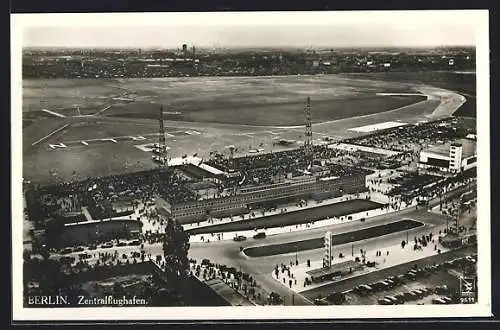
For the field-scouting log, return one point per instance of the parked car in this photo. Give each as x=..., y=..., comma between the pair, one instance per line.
x=121, y=244
x=400, y=297
x=418, y=293
x=79, y=249
x=92, y=247
x=239, y=238
x=84, y=256
x=107, y=245
x=259, y=235
x=410, y=296
x=318, y=301
x=438, y=301
x=135, y=242
x=384, y=301
x=66, y=251
x=394, y=300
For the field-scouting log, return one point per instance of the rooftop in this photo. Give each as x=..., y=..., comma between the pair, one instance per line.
x=468, y=148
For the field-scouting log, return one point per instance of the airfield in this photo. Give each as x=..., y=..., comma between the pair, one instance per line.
x=74, y=129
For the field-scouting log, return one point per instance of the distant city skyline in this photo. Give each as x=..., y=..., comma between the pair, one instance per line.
x=389, y=29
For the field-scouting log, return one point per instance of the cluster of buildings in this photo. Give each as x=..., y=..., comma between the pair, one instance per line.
x=189, y=61
x=454, y=157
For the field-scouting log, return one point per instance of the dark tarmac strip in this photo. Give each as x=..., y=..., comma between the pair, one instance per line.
x=292, y=218
x=316, y=243
x=376, y=276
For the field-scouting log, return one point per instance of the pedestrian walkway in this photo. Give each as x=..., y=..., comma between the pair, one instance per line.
x=294, y=276
x=207, y=238
x=285, y=209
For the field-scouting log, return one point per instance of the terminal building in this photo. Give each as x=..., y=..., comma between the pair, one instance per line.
x=242, y=201
x=453, y=157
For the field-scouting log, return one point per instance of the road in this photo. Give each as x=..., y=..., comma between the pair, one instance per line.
x=338, y=239
x=293, y=218
x=228, y=252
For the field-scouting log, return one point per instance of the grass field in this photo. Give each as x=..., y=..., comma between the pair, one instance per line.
x=293, y=218
x=283, y=113
x=247, y=100
x=252, y=100
x=317, y=243
x=464, y=84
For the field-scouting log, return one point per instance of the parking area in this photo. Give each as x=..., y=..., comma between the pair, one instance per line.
x=400, y=282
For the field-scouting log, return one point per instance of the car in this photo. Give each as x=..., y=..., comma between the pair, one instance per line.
x=394, y=300
x=107, y=245
x=84, y=256
x=79, y=249
x=259, y=235
x=438, y=301
x=384, y=301
x=121, y=244
x=92, y=247
x=318, y=301
x=400, y=297
x=447, y=300
x=390, y=283
x=66, y=251
x=418, y=293
x=410, y=296
x=239, y=238
x=135, y=242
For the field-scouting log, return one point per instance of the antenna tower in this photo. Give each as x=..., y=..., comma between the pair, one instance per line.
x=161, y=143
x=308, y=131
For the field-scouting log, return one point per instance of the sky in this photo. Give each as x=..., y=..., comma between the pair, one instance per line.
x=292, y=29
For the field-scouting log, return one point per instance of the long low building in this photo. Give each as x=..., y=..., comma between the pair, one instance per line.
x=450, y=157
x=194, y=211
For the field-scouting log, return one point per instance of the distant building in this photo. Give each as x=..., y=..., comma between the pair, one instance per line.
x=452, y=157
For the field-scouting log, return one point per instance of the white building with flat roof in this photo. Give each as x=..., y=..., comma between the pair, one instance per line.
x=453, y=157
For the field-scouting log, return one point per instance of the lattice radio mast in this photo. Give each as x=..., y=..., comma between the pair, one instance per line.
x=308, y=131
x=161, y=142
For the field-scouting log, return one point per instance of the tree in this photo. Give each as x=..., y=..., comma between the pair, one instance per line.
x=175, y=248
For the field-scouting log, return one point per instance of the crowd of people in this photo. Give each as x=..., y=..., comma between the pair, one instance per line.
x=101, y=194
x=413, y=137
x=274, y=167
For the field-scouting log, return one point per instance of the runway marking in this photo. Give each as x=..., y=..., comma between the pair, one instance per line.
x=109, y=139
x=106, y=108
x=60, y=145
x=54, y=113
x=138, y=138
x=50, y=134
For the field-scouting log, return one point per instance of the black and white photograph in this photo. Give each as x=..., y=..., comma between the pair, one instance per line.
x=268, y=165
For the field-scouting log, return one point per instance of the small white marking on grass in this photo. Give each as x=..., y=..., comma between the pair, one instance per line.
x=85, y=143
x=138, y=138
x=60, y=145
x=57, y=114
